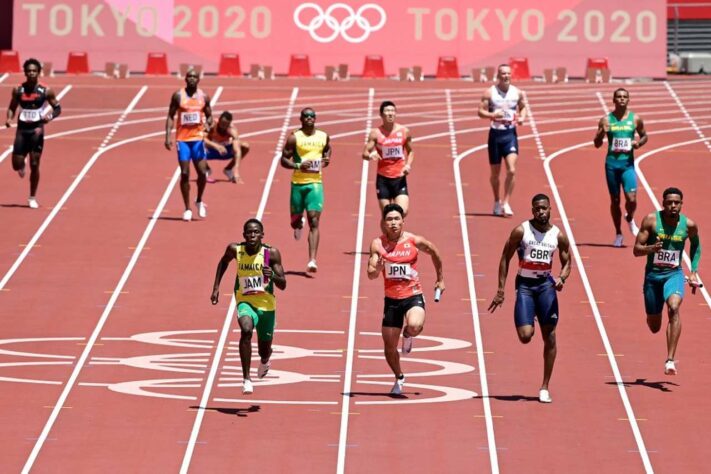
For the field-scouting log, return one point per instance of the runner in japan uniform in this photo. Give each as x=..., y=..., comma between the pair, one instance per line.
x=402, y=282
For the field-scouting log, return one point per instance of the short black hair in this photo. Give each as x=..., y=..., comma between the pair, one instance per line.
x=393, y=207
x=305, y=109
x=30, y=62
x=226, y=114
x=620, y=89
x=672, y=190
x=540, y=197
x=253, y=221
x=386, y=103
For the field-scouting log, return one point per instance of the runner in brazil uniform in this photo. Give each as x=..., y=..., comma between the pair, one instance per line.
x=394, y=254
x=505, y=105
x=31, y=97
x=220, y=145
x=661, y=239
x=391, y=146
x=535, y=241
x=259, y=269
x=193, y=108
x=620, y=126
x=307, y=152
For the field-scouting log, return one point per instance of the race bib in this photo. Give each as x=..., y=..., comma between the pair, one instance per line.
x=621, y=144
x=252, y=284
x=667, y=258
x=509, y=115
x=313, y=166
x=398, y=271
x=539, y=255
x=393, y=153
x=31, y=115
x=190, y=118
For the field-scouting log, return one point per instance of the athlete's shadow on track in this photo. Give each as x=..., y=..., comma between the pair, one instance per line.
x=594, y=244
x=20, y=206
x=485, y=214
x=511, y=398
x=403, y=396
x=301, y=274
x=661, y=386
x=241, y=412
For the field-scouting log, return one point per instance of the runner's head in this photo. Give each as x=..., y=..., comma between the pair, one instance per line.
x=621, y=97
x=225, y=120
x=393, y=219
x=192, y=78
x=672, y=199
x=388, y=112
x=253, y=232
x=307, y=117
x=32, y=68
x=503, y=74
x=541, y=208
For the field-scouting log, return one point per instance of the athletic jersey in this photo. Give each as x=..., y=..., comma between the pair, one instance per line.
x=668, y=258
x=250, y=285
x=221, y=139
x=535, y=253
x=391, y=148
x=191, y=117
x=31, y=102
x=309, y=148
x=400, y=272
x=508, y=103
x=619, y=139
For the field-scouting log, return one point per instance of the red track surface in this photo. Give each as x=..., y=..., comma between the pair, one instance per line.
x=120, y=328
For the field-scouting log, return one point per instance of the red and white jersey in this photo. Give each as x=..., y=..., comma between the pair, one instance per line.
x=400, y=273
x=506, y=102
x=391, y=148
x=535, y=253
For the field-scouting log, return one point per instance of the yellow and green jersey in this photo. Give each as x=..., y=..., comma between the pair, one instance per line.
x=309, y=148
x=250, y=285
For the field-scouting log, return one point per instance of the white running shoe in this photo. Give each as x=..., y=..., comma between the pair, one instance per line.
x=202, y=209
x=507, y=209
x=311, y=267
x=498, y=211
x=247, y=387
x=263, y=369
x=669, y=368
x=230, y=175
x=407, y=344
x=544, y=396
x=633, y=227
x=398, y=387
x=32, y=202
x=297, y=231
x=188, y=215
x=618, y=241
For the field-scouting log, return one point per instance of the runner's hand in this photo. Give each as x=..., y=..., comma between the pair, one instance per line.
x=406, y=170
x=267, y=272
x=440, y=284
x=559, y=284
x=520, y=121
x=497, y=301
x=215, y=297
x=221, y=150
x=374, y=156
x=635, y=144
x=694, y=282
x=8, y=123
x=168, y=144
x=499, y=114
x=325, y=161
x=656, y=247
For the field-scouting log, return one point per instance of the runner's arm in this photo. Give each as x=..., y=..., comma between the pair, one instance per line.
x=641, y=132
x=327, y=152
x=510, y=247
x=410, y=153
x=375, y=261
x=564, y=252
x=12, y=108
x=54, y=103
x=641, y=248
x=230, y=254
x=601, y=131
x=275, y=269
x=369, y=149
x=172, y=109
x=694, y=249
x=215, y=146
x=207, y=110
x=287, y=154
x=522, y=108
x=430, y=249
x=236, y=145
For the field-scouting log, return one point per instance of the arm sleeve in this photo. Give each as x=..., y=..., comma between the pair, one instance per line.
x=56, y=110
x=695, y=250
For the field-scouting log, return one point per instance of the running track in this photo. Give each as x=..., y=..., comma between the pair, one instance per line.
x=112, y=358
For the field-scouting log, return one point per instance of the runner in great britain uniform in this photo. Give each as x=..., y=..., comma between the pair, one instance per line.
x=31, y=97
x=259, y=269
x=307, y=152
x=394, y=254
x=620, y=126
x=391, y=146
x=661, y=239
x=194, y=113
x=222, y=143
x=505, y=105
x=535, y=241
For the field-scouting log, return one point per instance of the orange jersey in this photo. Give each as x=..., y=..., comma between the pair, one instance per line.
x=400, y=272
x=191, y=117
x=391, y=148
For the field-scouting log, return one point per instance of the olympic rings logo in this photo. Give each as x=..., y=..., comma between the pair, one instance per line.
x=343, y=28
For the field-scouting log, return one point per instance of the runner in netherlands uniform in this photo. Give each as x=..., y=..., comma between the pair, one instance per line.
x=259, y=269
x=391, y=146
x=194, y=113
x=394, y=255
x=535, y=241
x=505, y=105
x=31, y=96
x=661, y=239
x=220, y=145
x=620, y=126
x=307, y=152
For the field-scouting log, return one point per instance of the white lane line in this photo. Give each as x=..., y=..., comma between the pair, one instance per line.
x=117, y=291
x=593, y=302
x=205, y=399
x=493, y=456
x=534, y=130
x=603, y=104
x=67, y=194
x=120, y=121
x=692, y=122
x=3, y=77
x=347, y=384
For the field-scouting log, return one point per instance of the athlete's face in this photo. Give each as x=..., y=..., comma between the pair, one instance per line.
x=672, y=204
x=388, y=114
x=621, y=99
x=393, y=223
x=541, y=211
x=253, y=234
x=32, y=72
x=504, y=75
x=192, y=78
x=308, y=118
x=223, y=124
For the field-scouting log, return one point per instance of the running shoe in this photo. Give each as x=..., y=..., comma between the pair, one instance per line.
x=498, y=211
x=202, y=209
x=633, y=227
x=263, y=369
x=188, y=215
x=311, y=266
x=669, y=367
x=544, y=396
x=399, y=386
x=507, y=209
x=618, y=241
x=297, y=231
x=32, y=202
x=247, y=387
x=406, y=344
x=230, y=175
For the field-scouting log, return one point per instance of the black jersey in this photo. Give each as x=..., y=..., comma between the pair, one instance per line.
x=31, y=101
